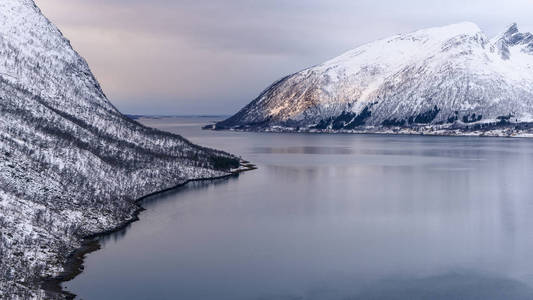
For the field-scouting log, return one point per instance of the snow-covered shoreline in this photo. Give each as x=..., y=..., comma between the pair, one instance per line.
x=427, y=131
x=73, y=267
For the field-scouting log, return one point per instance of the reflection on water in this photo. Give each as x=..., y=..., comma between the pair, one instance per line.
x=303, y=150
x=459, y=285
x=471, y=154
x=332, y=217
x=162, y=197
x=445, y=287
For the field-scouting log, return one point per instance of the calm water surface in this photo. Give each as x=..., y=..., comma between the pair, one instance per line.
x=332, y=217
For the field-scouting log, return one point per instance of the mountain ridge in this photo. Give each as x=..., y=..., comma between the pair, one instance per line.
x=443, y=77
x=71, y=165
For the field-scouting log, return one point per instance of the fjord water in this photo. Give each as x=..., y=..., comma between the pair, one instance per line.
x=332, y=217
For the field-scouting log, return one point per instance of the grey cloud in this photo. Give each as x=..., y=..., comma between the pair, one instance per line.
x=213, y=55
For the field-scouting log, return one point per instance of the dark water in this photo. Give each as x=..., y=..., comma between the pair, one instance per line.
x=332, y=217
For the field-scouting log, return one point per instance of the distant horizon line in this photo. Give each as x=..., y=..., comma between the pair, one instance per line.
x=137, y=116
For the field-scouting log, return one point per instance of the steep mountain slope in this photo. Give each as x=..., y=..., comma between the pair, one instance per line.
x=70, y=164
x=447, y=77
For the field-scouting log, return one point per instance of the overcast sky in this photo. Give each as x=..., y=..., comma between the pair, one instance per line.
x=212, y=57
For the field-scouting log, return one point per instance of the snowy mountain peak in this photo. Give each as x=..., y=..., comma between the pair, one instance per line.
x=31, y=48
x=512, y=29
x=512, y=37
x=449, y=76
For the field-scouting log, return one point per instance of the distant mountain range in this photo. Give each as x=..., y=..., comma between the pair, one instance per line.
x=71, y=165
x=445, y=80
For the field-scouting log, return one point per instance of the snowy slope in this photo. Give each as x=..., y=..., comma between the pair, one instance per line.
x=446, y=77
x=70, y=163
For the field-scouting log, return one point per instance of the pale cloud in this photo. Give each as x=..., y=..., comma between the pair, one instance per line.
x=208, y=56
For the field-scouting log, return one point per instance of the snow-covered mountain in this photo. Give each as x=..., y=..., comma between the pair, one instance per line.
x=451, y=77
x=70, y=164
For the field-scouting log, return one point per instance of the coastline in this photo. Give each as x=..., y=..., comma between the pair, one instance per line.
x=391, y=132
x=74, y=264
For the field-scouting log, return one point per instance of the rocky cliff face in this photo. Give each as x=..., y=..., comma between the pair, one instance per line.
x=452, y=77
x=70, y=164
